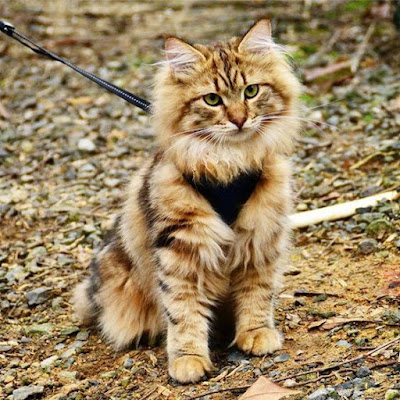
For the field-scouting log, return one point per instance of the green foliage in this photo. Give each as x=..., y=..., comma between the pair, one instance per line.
x=357, y=5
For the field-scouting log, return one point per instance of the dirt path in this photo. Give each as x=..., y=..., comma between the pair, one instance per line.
x=59, y=191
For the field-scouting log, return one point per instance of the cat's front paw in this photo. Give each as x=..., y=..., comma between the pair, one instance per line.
x=188, y=369
x=259, y=341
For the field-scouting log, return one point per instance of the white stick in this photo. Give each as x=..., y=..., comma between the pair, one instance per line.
x=339, y=211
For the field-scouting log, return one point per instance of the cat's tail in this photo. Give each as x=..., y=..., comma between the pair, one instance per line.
x=85, y=311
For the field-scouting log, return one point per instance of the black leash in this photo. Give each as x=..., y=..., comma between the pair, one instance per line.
x=131, y=98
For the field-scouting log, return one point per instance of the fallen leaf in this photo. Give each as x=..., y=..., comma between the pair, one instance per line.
x=264, y=389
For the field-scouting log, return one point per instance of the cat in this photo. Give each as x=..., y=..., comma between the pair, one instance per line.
x=205, y=221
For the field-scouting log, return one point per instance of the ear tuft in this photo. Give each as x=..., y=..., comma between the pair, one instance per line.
x=258, y=38
x=181, y=55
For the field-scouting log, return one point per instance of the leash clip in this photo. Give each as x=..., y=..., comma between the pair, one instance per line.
x=7, y=28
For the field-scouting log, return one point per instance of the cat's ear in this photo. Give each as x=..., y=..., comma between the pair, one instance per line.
x=258, y=38
x=181, y=56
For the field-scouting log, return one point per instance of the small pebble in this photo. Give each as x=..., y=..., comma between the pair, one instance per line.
x=69, y=375
x=24, y=392
x=38, y=296
x=41, y=328
x=48, y=362
x=344, y=343
x=86, y=145
x=289, y=383
x=367, y=246
x=363, y=372
x=82, y=335
x=281, y=358
x=266, y=365
x=128, y=363
x=321, y=394
x=236, y=356
x=392, y=394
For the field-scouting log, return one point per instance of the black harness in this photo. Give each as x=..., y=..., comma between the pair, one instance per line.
x=227, y=199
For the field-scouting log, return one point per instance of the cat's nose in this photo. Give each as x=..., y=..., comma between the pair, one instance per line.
x=238, y=120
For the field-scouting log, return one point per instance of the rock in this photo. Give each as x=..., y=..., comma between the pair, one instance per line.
x=27, y=146
x=321, y=394
x=25, y=391
x=69, y=330
x=237, y=356
x=38, y=296
x=82, y=335
x=334, y=120
x=344, y=343
x=367, y=246
x=48, y=362
x=128, y=363
x=354, y=116
x=363, y=372
x=392, y=316
x=266, y=365
x=16, y=274
x=380, y=226
x=41, y=328
x=289, y=383
x=69, y=375
x=392, y=394
x=281, y=358
x=86, y=145
x=72, y=349
x=111, y=182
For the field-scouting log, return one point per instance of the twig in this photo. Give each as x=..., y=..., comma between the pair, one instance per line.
x=229, y=389
x=369, y=158
x=322, y=377
x=299, y=293
x=339, y=211
x=334, y=366
x=362, y=48
x=149, y=393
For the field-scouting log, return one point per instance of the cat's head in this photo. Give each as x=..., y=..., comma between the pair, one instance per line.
x=227, y=96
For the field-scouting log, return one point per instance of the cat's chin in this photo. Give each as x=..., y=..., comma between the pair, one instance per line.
x=240, y=135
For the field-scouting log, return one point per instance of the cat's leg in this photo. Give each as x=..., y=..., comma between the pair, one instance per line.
x=263, y=239
x=254, y=309
x=113, y=298
x=188, y=312
x=190, y=281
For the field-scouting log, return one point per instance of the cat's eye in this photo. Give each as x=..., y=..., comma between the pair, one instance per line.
x=212, y=99
x=251, y=91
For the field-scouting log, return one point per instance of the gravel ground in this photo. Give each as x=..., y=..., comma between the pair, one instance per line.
x=67, y=148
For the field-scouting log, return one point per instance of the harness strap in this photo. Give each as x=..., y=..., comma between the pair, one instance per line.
x=131, y=98
x=226, y=199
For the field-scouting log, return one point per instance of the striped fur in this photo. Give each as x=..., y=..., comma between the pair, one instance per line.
x=171, y=260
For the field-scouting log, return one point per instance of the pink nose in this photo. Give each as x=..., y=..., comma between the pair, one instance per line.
x=239, y=121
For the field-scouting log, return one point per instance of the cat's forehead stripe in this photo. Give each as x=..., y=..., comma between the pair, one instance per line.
x=226, y=66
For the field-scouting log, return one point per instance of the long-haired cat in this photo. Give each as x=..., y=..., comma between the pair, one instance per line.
x=205, y=222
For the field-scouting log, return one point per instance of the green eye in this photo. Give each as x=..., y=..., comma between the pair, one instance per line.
x=251, y=91
x=212, y=99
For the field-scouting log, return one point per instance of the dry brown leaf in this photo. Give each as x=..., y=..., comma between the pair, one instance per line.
x=328, y=324
x=264, y=389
